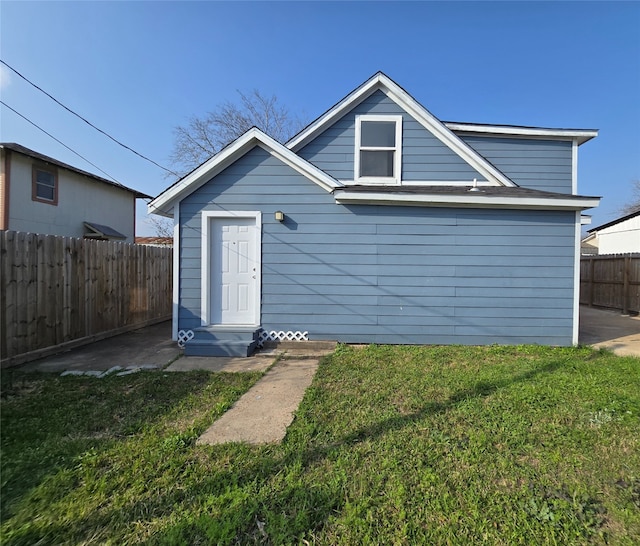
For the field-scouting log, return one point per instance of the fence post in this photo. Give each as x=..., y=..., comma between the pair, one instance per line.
x=625, y=285
x=591, y=283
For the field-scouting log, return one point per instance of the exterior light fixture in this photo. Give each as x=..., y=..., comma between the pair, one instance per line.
x=279, y=215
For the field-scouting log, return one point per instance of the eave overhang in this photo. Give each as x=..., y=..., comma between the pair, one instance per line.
x=163, y=204
x=579, y=135
x=513, y=198
x=614, y=222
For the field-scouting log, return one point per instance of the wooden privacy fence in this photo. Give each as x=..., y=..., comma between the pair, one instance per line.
x=611, y=281
x=60, y=292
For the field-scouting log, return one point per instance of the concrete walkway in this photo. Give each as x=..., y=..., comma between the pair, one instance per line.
x=263, y=413
x=610, y=330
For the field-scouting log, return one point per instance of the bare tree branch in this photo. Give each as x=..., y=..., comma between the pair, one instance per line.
x=162, y=227
x=634, y=203
x=203, y=137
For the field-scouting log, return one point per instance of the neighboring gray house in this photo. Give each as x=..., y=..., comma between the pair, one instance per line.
x=378, y=223
x=39, y=194
x=620, y=236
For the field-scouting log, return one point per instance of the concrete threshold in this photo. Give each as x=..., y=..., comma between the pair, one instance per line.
x=231, y=364
x=263, y=413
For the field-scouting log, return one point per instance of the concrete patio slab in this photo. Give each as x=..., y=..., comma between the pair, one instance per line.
x=260, y=361
x=150, y=346
x=601, y=328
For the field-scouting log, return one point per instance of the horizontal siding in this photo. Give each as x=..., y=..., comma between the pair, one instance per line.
x=537, y=164
x=484, y=248
x=389, y=274
x=424, y=157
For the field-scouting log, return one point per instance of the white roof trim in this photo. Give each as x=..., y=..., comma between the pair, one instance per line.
x=409, y=183
x=473, y=200
x=333, y=114
x=163, y=203
x=580, y=135
x=411, y=106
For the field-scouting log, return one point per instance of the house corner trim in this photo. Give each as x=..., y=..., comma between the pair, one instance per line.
x=5, y=191
x=176, y=272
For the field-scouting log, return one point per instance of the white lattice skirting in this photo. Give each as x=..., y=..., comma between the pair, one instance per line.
x=184, y=336
x=274, y=335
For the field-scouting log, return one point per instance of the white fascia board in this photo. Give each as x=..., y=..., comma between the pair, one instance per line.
x=324, y=180
x=440, y=183
x=333, y=114
x=457, y=183
x=469, y=201
x=413, y=108
x=166, y=212
x=199, y=176
x=253, y=137
x=175, y=306
x=576, y=282
x=445, y=135
x=580, y=135
x=574, y=166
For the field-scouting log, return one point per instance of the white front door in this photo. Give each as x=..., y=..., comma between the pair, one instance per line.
x=234, y=261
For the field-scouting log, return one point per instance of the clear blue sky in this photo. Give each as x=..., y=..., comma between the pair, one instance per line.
x=138, y=69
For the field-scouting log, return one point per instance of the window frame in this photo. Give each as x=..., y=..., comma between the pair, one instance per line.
x=397, y=149
x=34, y=184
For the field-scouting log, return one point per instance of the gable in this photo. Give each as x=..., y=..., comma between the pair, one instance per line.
x=257, y=179
x=408, y=105
x=425, y=158
x=165, y=202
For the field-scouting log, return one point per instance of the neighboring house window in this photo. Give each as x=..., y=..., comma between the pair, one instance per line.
x=45, y=185
x=378, y=155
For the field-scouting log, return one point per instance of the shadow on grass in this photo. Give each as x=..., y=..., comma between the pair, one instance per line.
x=480, y=389
x=258, y=494
x=318, y=502
x=49, y=422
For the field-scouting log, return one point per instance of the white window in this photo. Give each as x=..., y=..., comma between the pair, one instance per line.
x=378, y=154
x=44, y=185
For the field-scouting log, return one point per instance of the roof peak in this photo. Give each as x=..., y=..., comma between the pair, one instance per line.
x=414, y=109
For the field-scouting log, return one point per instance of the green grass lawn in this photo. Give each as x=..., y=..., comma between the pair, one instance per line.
x=391, y=445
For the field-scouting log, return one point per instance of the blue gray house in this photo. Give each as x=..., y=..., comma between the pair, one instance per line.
x=379, y=223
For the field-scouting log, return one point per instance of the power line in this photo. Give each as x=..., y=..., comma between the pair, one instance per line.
x=86, y=121
x=58, y=141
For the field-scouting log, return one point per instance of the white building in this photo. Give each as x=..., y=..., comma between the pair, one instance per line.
x=620, y=236
x=39, y=194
